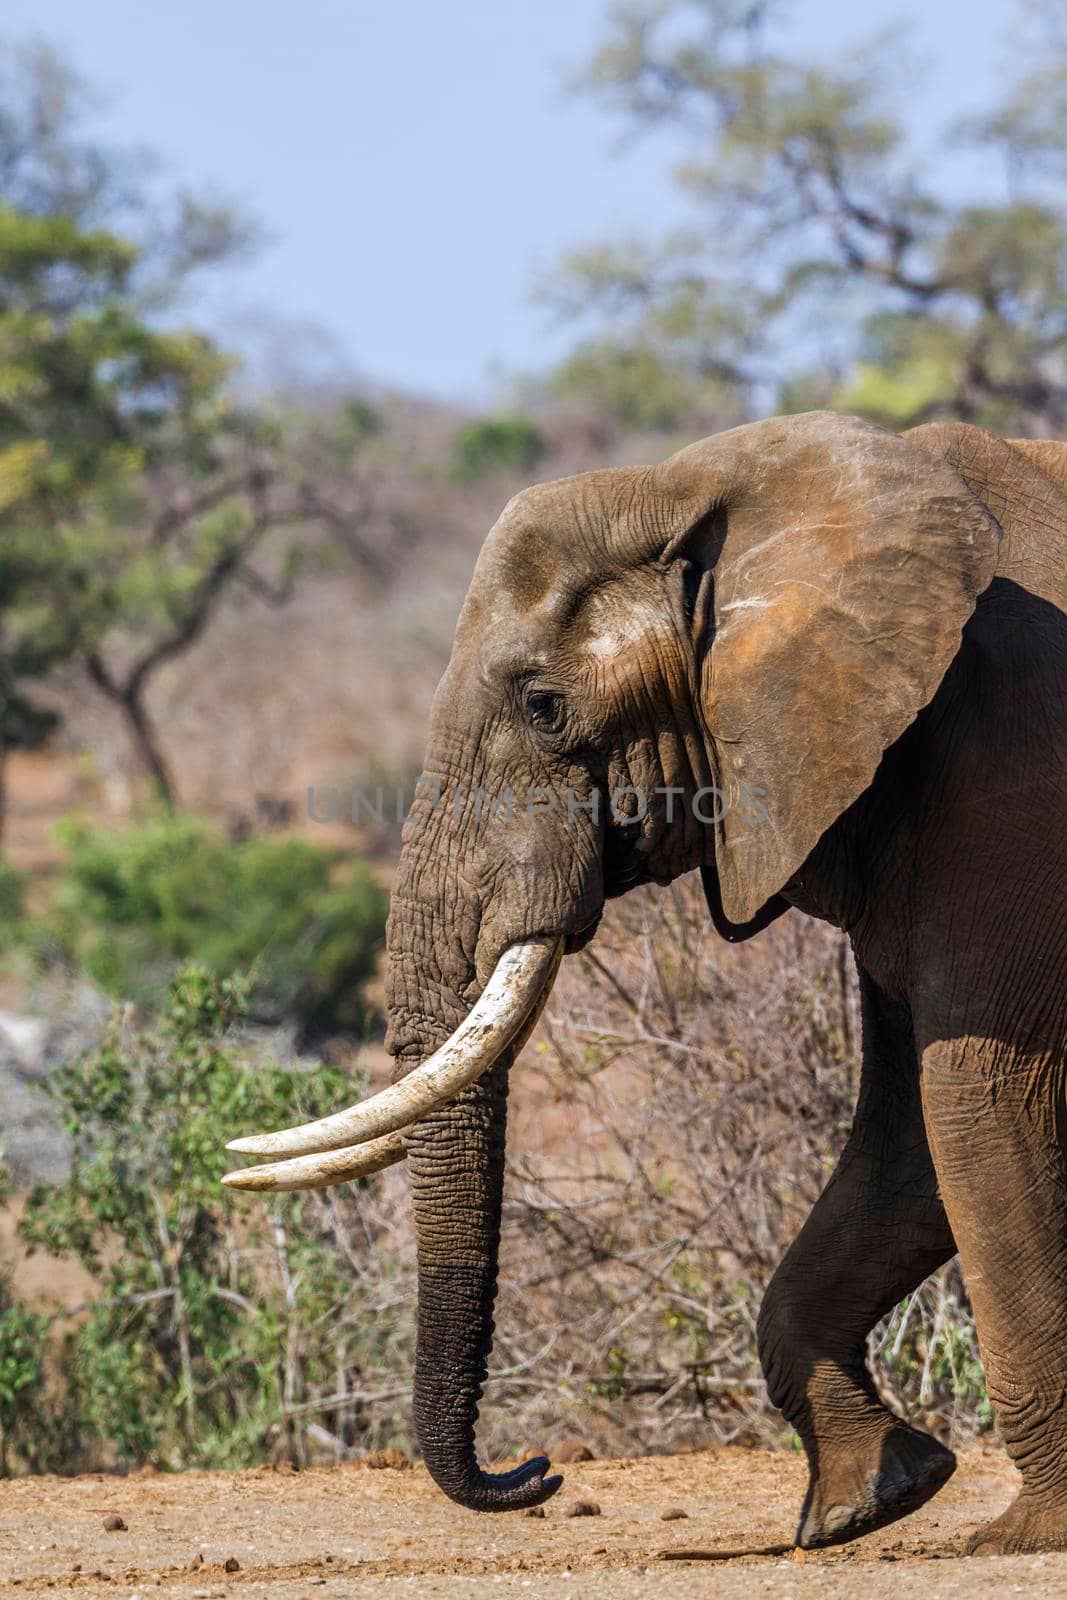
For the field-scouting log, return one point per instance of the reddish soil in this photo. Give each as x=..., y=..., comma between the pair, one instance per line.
x=352, y=1531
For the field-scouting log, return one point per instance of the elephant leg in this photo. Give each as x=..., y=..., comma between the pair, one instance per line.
x=877, y=1230
x=995, y=1108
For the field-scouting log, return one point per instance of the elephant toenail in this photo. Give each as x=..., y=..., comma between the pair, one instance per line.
x=838, y=1517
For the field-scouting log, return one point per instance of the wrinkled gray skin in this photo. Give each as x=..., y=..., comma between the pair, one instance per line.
x=861, y=640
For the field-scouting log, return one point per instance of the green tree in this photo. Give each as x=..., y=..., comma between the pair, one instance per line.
x=135, y=491
x=90, y=394
x=828, y=258
x=93, y=386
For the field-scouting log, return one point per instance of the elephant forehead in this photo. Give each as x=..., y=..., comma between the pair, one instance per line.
x=554, y=540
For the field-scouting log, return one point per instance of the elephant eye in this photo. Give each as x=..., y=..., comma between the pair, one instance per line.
x=544, y=709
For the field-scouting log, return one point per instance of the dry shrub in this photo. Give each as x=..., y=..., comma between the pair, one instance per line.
x=345, y=1265
x=678, y=1112
x=681, y=1110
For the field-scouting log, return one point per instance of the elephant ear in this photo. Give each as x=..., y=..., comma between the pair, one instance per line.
x=1047, y=454
x=845, y=564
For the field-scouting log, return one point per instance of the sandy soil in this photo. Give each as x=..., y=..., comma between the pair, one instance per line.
x=352, y=1531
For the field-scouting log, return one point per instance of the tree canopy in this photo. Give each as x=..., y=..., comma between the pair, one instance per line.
x=828, y=258
x=135, y=488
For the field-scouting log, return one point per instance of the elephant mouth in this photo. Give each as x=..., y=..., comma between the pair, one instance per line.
x=365, y=1138
x=578, y=941
x=368, y=1136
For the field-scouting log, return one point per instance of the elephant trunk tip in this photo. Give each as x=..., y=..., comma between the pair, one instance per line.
x=518, y=1490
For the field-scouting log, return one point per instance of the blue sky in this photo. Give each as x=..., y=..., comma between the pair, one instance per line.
x=417, y=162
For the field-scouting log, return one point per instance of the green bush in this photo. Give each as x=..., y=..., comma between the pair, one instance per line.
x=636, y=385
x=222, y=1324
x=11, y=906
x=495, y=444
x=22, y=1340
x=133, y=906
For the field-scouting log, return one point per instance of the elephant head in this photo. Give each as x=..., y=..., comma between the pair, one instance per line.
x=694, y=664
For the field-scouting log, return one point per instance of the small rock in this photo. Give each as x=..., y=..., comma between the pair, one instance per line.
x=572, y=1450
x=197, y=1561
x=582, y=1508
x=114, y=1523
x=534, y=1511
x=599, y=1550
x=799, y=1554
x=231, y=1564
x=673, y=1514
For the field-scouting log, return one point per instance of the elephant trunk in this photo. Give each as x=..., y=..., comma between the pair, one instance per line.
x=456, y=1168
x=455, y=1157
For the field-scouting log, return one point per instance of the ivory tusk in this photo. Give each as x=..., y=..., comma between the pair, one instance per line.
x=509, y=1004
x=320, y=1171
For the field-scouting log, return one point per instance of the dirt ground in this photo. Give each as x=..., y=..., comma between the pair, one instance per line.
x=353, y=1531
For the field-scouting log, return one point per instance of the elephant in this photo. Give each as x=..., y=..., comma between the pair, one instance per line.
x=855, y=641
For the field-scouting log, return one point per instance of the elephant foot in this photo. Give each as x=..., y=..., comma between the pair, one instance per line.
x=1028, y=1527
x=859, y=1489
